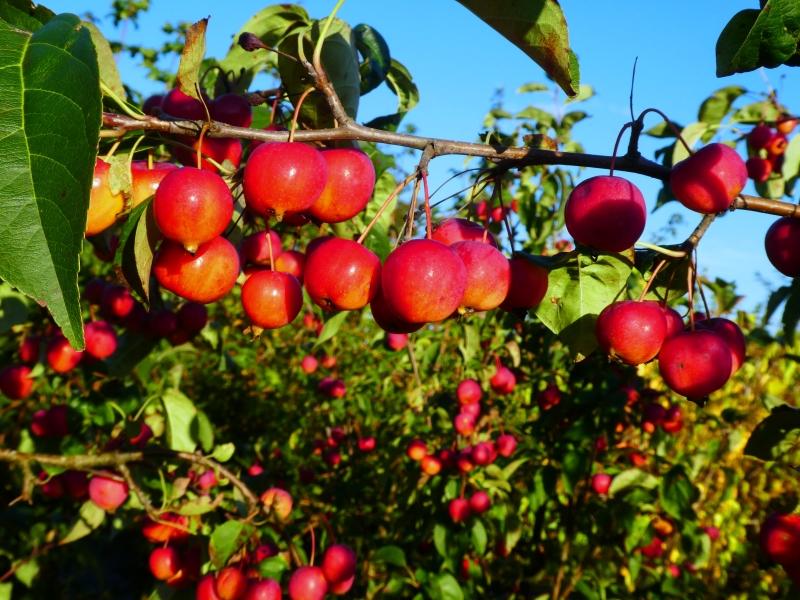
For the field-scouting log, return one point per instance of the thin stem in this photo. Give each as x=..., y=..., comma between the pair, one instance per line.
x=652, y=278
x=316, y=59
x=498, y=188
x=690, y=294
x=428, y=218
x=383, y=207
x=616, y=146
x=296, y=114
x=414, y=366
x=662, y=250
x=120, y=102
x=700, y=288
x=412, y=209
x=670, y=124
x=269, y=248
x=313, y=545
x=633, y=80
x=200, y=146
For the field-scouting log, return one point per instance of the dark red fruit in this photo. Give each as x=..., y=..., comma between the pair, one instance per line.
x=192, y=317
x=232, y=109
x=758, y=169
x=732, y=336
x=759, y=136
x=15, y=382
x=782, y=243
x=780, y=539
x=178, y=104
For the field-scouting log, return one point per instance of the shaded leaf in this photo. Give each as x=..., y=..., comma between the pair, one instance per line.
x=109, y=74
x=180, y=412
x=226, y=539
x=47, y=77
x=137, y=241
x=24, y=14
x=539, y=29
x=188, y=77
x=273, y=567
x=578, y=290
x=445, y=587
x=777, y=436
x=716, y=106
x=376, y=57
x=400, y=83
x=478, y=535
x=392, y=555
x=759, y=38
x=631, y=478
x=677, y=493
x=90, y=517
x=691, y=134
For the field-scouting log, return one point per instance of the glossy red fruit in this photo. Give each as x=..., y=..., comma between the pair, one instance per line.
x=606, y=212
x=506, y=444
x=62, y=357
x=145, y=180
x=396, y=341
x=272, y=299
x=695, y=363
x=342, y=587
x=709, y=180
x=203, y=277
x=117, y=302
x=205, y=588
x=338, y=563
x=277, y=502
x=230, y=583
x=101, y=340
x=255, y=248
x=780, y=539
x=108, y=492
x=267, y=589
x=455, y=230
x=673, y=321
x=387, y=319
x=654, y=549
x=483, y=454
x=488, y=275
x=217, y=149
x=417, y=450
x=423, y=281
x=292, y=262
x=164, y=563
x=232, y=109
x=104, y=204
x=759, y=136
x=758, y=169
x=283, y=177
x=469, y=392
x=732, y=335
x=503, y=381
x=631, y=331
x=308, y=583
x=601, y=482
x=479, y=502
x=178, y=104
x=341, y=274
x=527, y=284
x=351, y=180
x=459, y=510
x=15, y=382
x=192, y=207
x=782, y=243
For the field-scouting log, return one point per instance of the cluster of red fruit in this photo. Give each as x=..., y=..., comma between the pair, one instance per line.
x=486, y=213
x=694, y=361
x=766, y=148
x=336, y=442
x=780, y=541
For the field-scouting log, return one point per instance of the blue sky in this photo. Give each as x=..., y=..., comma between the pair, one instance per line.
x=458, y=63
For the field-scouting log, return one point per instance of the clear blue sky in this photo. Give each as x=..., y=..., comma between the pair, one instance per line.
x=458, y=63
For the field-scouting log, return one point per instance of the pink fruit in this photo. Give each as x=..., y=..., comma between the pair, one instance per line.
x=606, y=212
x=503, y=381
x=479, y=502
x=396, y=341
x=178, y=104
x=459, y=510
x=506, y=444
x=469, y=392
x=601, y=482
x=387, y=319
x=101, y=340
x=709, y=180
x=673, y=321
x=108, y=492
x=471, y=410
x=464, y=424
x=338, y=563
x=366, y=444
x=309, y=364
x=267, y=589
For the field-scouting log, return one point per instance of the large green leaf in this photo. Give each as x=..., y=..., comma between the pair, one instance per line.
x=340, y=61
x=49, y=124
x=760, y=38
x=24, y=14
x=271, y=25
x=400, y=83
x=578, y=290
x=539, y=29
x=777, y=437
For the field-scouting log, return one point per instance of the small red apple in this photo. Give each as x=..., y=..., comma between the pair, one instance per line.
x=108, y=492
x=255, y=247
x=601, y=482
x=278, y=502
x=341, y=274
x=101, y=340
x=527, y=284
x=417, y=450
x=16, y=382
x=731, y=334
x=104, y=205
x=459, y=510
x=709, y=180
x=338, y=563
x=61, y=357
x=309, y=364
x=488, y=275
x=503, y=381
x=479, y=502
x=145, y=179
x=430, y=465
x=232, y=109
x=469, y=392
x=780, y=538
x=272, y=299
x=631, y=331
x=455, y=230
x=266, y=589
x=782, y=243
x=758, y=169
x=695, y=363
x=230, y=583
x=506, y=444
x=464, y=424
x=203, y=277
x=396, y=341
x=351, y=180
x=308, y=583
x=164, y=563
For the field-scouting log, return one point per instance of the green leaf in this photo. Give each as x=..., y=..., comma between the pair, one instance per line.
x=13, y=308
x=109, y=74
x=6, y=588
x=224, y=452
x=691, y=133
x=273, y=567
x=271, y=25
x=47, y=77
x=445, y=587
x=478, y=535
x=637, y=531
x=575, y=467
x=137, y=242
x=716, y=106
x=180, y=413
x=400, y=83
x=791, y=311
x=376, y=58
x=578, y=290
x=331, y=327
x=392, y=555
x=194, y=50
x=539, y=29
x=90, y=517
x=24, y=14
x=26, y=571
x=776, y=298
x=203, y=431
x=340, y=61
x=632, y=478
x=791, y=163
x=677, y=493
x=532, y=87
x=226, y=539
x=759, y=38
x=440, y=539
x=777, y=437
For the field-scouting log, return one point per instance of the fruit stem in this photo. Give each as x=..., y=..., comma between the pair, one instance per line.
x=699, y=281
x=616, y=147
x=651, y=279
x=313, y=544
x=412, y=209
x=113, y=149
x=662, y=250
x=670, y=124
x=203, y=130
x=122, y=103
x=498, y=189
x=296, y=114
x=690, y=293
x=428, y=217
x=383, y=207
x=269, y=248
x=274, y=108
x=316, y=59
